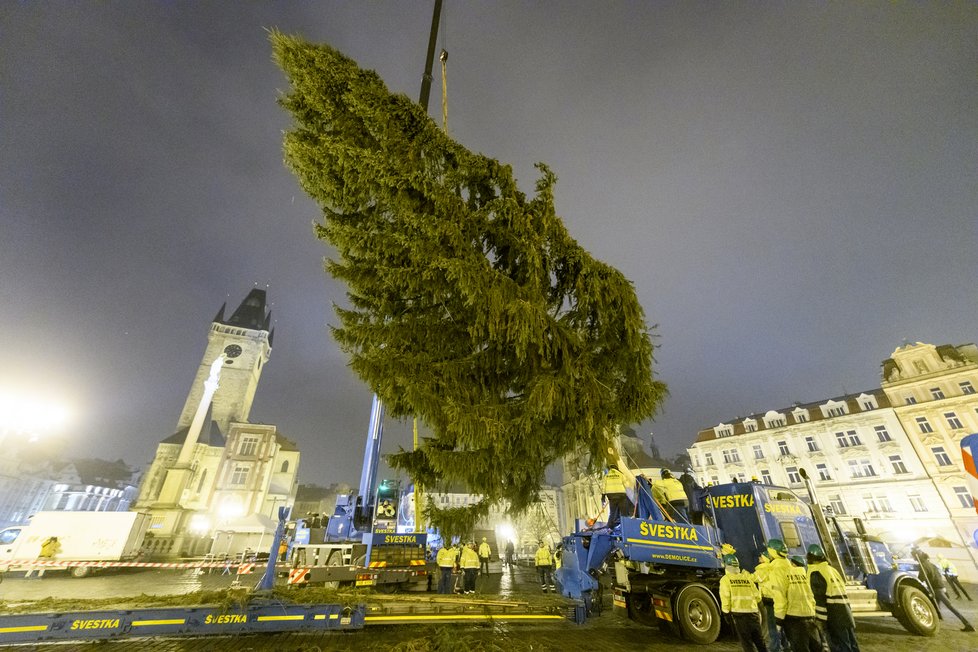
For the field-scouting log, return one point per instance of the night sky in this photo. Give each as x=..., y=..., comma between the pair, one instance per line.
x=791, y=187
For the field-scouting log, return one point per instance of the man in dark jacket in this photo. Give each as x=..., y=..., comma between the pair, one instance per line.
x=931, y=575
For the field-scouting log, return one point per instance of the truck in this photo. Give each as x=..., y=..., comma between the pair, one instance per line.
x=361, y=544
x=84, y=537
x=666, y=572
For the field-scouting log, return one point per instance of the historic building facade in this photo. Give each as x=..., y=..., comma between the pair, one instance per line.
x=933, y=390
x=219, y=475
x=889, y=456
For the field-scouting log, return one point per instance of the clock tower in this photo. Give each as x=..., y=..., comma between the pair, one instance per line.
x=245, y=340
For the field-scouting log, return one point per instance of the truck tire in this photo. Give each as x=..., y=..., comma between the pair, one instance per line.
x=80, y=571
x=915, y=611
x=697, y=615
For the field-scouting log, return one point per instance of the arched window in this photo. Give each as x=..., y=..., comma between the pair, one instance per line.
x=285, y=466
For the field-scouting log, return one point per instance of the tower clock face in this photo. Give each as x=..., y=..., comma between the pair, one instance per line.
x=232, y=350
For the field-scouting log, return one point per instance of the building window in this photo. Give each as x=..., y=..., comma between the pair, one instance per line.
x=714, y=479
x=924, y=425
x=936, y=393
x=724, y=432
x=783, y=448
x=823, y=472
x=239, y=476
x=708, y=458
x=966, y=387
x=884, y=504
x=731, y=456
x=812, y=444
x=758, y=453
x=248, y=446
x=917, y=503
x=910, y=400
x=848, y=438
x=940, y=456
x=776, y=422
x=861, y=468
x=898, y=465
x=920, y=366
x=882, y=433
x=793, y=476
x=766, y=477
x=953, y=422
x=801, y=417
x=838, y=507
x=964, y=497
x=285, y=467
x=869, y=405
x=837, y=411
x=750, y=427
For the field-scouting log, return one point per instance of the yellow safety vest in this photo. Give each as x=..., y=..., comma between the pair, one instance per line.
x=469, y=558
x=763, y=576
x=614, y=482
x=446, y=557
x=738, y=593
x=543, y=557
x=792, y=592
x=484, y=550
x=835, y=587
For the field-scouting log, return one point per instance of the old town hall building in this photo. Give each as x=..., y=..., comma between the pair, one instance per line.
x=215, y=485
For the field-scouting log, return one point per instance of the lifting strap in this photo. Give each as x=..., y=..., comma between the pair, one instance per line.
x=444, y=89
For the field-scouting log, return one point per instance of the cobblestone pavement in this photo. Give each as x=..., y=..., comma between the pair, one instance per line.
x=609, y=632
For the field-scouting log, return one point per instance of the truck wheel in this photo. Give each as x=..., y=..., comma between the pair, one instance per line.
x=697, y=615
x=915, y=611
x=80, y=571
x=335, y=559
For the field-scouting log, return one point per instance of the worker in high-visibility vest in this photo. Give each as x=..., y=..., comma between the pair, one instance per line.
x=670, y=493
x=545, y=567
x=762, y=572
x=831, y=602
x=951, y=575
x=446, y=564
x=794, y=604
x=615, y=494
x=469, y=562
x=485, y=552
x=740, y=600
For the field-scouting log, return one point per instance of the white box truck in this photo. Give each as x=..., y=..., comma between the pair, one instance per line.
x=84, y=537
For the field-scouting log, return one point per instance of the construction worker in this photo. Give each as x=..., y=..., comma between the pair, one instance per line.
x=794, y=604
x=49, y=548
x=446, y=564
x=740, y=600
x=616, y=495
x=762, y=574
x=932, y=576
x=951, y=576
x=485, y=552
x=545, y=567
x=669, y=493
x=831, y=603
x=469, y=562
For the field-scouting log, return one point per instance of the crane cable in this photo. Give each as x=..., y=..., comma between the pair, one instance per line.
x=443, y=57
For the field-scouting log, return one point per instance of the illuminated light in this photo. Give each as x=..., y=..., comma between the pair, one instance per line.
x=200, y=524
x=507, y=532
x=20, y=412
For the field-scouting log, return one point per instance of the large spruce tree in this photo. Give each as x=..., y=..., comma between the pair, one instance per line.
x=470, y=306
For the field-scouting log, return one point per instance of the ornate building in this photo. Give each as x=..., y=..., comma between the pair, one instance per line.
x=888, y=456
x=219, y=476
x=933, y=390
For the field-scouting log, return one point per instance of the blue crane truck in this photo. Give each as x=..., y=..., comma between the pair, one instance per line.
x=667, y=573
x=359, y=544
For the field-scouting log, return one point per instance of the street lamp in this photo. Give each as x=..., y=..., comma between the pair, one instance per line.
x=23, y=414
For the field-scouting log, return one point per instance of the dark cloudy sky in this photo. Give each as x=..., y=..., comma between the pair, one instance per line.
x=791, y=187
